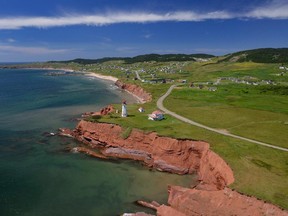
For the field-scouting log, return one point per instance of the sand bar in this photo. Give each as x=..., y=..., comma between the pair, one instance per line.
x=100, y=76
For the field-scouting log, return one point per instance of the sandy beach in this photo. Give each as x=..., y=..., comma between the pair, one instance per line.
x=113, y=79
x=100, y=76
x=91, y=74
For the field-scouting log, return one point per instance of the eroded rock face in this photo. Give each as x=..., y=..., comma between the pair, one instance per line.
x=209, y=197
x=168, y=211
x=162, y=153
x=222, y=202
x=104, y=111
x=134, y=89
x=136, y=214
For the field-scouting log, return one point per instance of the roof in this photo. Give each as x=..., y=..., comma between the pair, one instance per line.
x=157, y=112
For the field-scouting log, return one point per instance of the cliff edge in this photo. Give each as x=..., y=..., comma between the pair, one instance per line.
x=162, y=153
x=139, y=92
x=182, y=156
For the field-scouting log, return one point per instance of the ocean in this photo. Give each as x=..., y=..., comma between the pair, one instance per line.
x=38, y=177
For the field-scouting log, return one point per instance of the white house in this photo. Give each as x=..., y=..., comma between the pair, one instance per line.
x=156, y=116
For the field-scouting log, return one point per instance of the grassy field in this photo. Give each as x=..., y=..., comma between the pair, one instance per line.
x=263, y=117
x=259, y=171
x=257, y=112
x=211, y=71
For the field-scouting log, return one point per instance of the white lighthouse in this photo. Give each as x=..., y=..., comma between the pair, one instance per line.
x=124, y=109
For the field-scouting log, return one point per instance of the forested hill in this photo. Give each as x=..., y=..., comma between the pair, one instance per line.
x=264, y=55
x=167, y=57
x=143, y=58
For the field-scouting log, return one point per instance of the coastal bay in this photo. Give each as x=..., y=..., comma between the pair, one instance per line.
x=38, y=177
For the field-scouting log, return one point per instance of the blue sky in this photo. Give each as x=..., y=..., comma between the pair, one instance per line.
x=34, y=30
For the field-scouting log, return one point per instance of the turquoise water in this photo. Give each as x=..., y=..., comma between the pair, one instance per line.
x=37, y=177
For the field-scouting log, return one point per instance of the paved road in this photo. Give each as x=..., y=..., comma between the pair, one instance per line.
x=137, y=75
x=161, y=107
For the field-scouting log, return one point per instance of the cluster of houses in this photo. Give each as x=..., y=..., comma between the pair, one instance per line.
x=245, y=80
x=203, y=85
x=157, y=115
x=173, y=67
x=283, y=68
x=137, y=71
x=248, y=80
x=148, y=74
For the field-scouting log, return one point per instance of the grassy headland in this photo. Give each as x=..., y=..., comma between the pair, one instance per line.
x=256, y=108
x=248, y=99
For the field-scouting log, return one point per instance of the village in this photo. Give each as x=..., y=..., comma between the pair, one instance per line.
x=173, y=72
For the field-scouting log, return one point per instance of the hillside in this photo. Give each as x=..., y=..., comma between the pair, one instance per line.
x=141, y=58
x=263, y=55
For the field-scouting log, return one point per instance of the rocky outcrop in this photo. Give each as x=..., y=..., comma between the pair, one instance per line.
x=161, y=153
x=209, y=197
x=222, y=202
x=135, y=90
x=162, y=210
x=194, y=202
x=104, y=111
x=136, y=214
x=87, y=152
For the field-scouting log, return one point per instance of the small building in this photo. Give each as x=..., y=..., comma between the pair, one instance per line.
x=201, y=86
x=159, y=80
x=212, y=89
x=156, y=116
x=141, y=109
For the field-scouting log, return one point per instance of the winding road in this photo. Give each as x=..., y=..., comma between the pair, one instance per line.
x=161, y=107
x=137, y=75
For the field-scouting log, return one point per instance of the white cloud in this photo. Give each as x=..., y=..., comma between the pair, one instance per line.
x=213, y=50
x=106, y=39
x=126, y=49
x=31, y=50
x=276, y=9
x=147, y=36
x=11, y=40
x=106, y=19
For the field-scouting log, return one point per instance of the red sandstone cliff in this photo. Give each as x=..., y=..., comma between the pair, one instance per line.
x=136, y=90
x=222, y=202
x=162, y=153
x=210, y=197
x=104, y=111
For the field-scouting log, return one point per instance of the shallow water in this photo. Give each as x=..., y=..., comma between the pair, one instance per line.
x=37, y=177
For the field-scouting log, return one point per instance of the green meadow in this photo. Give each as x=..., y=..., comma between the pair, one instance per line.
x=259, y=171
x=259, y=112
x=240, y=110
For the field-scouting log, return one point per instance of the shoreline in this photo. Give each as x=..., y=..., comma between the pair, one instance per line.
x=114, y=80
x=98, y=76
x=179, y=156
x=139, y=99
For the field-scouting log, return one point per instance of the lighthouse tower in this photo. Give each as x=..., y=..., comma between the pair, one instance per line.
x=124, y=109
